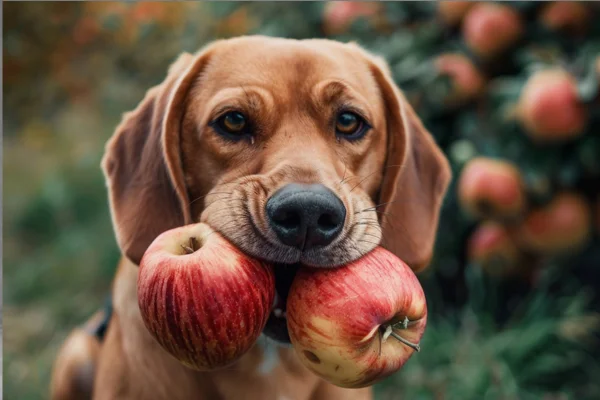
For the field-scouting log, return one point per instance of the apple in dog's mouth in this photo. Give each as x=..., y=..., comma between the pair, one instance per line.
x=203, y=300
x=359, y=323
x=276, y=327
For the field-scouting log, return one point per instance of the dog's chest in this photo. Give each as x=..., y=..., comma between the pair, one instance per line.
x=268, y=372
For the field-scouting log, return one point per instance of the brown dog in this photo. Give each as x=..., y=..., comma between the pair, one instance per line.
x=297, y=152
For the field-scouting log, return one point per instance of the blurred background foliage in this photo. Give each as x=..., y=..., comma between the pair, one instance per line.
x=509, y=90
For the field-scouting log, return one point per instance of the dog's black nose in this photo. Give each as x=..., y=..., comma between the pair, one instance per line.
x=306, y=216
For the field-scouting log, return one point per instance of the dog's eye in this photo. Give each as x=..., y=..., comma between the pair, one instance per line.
x=350, y=126
x=233, y=122
x=232, y=125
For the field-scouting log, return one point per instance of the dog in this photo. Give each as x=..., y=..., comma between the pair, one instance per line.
x=296, y=151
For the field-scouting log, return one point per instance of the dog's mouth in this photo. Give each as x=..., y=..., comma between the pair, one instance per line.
x=276, y=327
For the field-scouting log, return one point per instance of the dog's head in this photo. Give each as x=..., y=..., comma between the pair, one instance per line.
x=295, y=151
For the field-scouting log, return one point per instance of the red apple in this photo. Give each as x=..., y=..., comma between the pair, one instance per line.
x=491, y=28
x=466, y=79
x=492, y=188
x=453, y=12
x=571, y=16
x=564, y=225
x=492, y=247
x=549, y=108
x=357, y=324
x=203, y=300
x=338, y=16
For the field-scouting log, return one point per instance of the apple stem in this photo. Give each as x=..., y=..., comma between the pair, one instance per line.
x=192, y=247
x=389, y=331
x=405, y=323
x=415, y=346
x=386, y=333
x=187, y=249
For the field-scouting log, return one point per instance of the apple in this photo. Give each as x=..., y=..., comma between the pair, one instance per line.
x=467, y=81
x=490, y=188
x=489, y=29
x=356, y=324
x=202, y=299
x=338, y=16
x=453, y=12
x=570, y=16
x=549, y=108
x=564, y=225
x=492, y=247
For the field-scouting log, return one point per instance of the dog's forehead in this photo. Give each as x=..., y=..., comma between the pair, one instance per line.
x=287, y=63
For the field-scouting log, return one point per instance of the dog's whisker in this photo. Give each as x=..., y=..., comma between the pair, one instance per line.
x=371, y=224
x=228, y=209
x=229, y=212
x=346, y=179
x=382, y=213
x=381, y=204
x=209, y=194
x=220, y=200
x=345, y=166
x=359, y=182
x=368, y=175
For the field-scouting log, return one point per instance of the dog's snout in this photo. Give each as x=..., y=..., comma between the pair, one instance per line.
x=305, y=216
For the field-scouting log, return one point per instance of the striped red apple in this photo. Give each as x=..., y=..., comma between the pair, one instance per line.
x=203, y=300
x=357, y=324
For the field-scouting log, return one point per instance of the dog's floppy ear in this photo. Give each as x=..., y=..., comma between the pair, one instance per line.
x=142, y=163
x=416, y=177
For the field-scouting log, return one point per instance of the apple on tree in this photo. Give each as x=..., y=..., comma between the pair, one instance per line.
x=202, y=299
x=357, y=324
